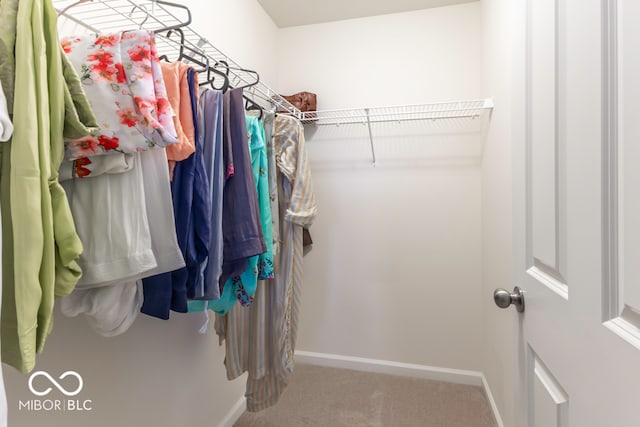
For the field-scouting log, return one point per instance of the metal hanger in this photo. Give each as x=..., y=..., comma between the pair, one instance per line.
x=182, y=55
x=142, y=8
x=252, y=105
x=227, y=68
x=211, y=79
x=193, y=56
x=176, y=26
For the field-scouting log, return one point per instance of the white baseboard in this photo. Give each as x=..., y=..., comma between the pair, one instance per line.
x=235, y=413
x=492, y=402
x=456, y=376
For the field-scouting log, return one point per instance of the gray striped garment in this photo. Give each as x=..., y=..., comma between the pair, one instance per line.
x=261, y=338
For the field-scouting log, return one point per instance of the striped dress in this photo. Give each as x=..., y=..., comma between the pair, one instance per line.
x=261, y=338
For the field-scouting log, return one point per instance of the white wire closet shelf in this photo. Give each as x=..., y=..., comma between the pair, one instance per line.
x=103, y=16
x=452, y=113
x=466, y=109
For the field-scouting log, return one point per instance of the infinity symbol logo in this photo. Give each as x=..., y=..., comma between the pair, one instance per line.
x=55, y=383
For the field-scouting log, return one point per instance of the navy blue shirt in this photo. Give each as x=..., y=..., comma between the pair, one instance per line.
x=192, y=210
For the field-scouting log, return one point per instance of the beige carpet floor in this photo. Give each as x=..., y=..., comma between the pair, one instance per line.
x=328, y=397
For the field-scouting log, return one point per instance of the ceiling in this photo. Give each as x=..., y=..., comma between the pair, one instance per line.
x=289, y=13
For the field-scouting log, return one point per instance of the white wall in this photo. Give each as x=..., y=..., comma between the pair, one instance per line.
x=401, y=249
x=404, y=58
x=395, y=270
x=240, y=29
x=500, y=329
x=160, y=373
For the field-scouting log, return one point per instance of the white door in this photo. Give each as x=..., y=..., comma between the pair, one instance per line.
x=577, y=211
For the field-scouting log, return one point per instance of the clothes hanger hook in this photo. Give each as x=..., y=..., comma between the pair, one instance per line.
x=142, y=8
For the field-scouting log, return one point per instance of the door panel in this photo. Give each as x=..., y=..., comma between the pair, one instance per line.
x=622, y=285
x=577, y=212
x=550, y=403
x=545, y=167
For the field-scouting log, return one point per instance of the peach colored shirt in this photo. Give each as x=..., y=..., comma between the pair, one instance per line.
x=175, y=80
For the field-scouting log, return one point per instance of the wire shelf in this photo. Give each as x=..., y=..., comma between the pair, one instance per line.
x=104, y=16
x=471, y=114
x=468, y=109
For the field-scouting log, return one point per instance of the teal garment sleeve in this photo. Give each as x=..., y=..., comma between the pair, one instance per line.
x=259, y=164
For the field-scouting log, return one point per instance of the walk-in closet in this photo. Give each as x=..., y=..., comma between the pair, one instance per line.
x=393, y=280
x=322, y=213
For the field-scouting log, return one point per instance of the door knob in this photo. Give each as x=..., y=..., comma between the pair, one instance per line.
x=504, y=298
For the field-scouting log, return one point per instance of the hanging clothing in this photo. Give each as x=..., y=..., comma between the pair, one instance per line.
x=8, y=18
x=260, y=168
x=260, y=339
x=210, y=122
x=112, y=221
x=88, y=167
x=240, y=283
x=40, y=262
x=109, y=310
x=242, y=288
x=157, y=196
x=175, y=78
x=243, y=236
x=121, y=75
x=192, y=208
x=6, y=129
x=272, y=173
x=112, y=308
x=201, y=237
x=3, y=396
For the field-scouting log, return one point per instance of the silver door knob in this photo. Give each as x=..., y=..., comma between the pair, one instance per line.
x=504, y=298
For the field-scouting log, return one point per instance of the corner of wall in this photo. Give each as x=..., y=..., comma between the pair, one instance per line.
x=500, y=326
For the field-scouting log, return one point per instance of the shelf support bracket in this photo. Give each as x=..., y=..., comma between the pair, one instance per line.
x=373, y=151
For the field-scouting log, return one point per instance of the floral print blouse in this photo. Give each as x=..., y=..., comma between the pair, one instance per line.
x=121, y=76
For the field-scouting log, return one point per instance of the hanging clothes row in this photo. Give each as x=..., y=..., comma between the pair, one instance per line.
x=175, y=199
x=121, y=216
x=128, y=255
x=230, y=192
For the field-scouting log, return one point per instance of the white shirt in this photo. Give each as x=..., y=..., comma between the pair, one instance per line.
x=112, y=305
